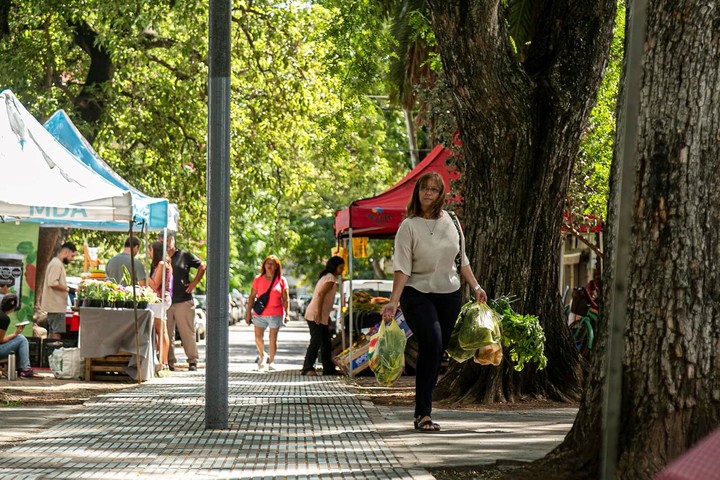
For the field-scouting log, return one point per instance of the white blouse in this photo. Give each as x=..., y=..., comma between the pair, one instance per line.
x=425, y=250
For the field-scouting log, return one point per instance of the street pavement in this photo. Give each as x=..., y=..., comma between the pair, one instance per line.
x=281, y=425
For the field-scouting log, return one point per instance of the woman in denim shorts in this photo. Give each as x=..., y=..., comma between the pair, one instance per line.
x=273, y=314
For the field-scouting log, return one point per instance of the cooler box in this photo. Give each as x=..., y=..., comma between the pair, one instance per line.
x=72, y=321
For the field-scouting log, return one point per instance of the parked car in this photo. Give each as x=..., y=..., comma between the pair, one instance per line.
x=200, y=324
x=376, y=288
x=234, y=310
x=200, y=318
x=303, y=300
x=200, y=300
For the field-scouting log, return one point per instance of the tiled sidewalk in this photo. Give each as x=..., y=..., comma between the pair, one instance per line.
x=282, y=425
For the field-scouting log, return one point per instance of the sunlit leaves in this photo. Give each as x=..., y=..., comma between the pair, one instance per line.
x=589, y=186
x=305, y=138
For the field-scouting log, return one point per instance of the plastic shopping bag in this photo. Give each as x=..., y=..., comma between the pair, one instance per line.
x=480, y=326
x=454, y=349
x=387, y=353
x=66, y=363
x=489, y=354
x=476, y=334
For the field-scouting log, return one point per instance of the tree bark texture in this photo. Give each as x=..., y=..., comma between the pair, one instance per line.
x=49, y=242
x=520, y=126
x=671, y=359
x=90, y=102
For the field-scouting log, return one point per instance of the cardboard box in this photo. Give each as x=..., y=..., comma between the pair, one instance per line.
x=359, y=361
x=400, y=320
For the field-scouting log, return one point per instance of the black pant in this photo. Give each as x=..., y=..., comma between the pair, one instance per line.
x=319, y=340
x=431, y=317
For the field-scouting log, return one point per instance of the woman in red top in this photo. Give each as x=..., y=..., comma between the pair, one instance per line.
x=276, y=307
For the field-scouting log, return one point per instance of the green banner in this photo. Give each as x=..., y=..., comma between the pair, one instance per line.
x=18, y=261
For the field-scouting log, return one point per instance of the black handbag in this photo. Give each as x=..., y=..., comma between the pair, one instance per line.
x=262, y=300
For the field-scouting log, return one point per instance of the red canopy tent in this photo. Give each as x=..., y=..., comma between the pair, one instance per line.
x=380, y=216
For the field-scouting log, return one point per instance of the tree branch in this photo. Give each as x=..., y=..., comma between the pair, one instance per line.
x=575, y=233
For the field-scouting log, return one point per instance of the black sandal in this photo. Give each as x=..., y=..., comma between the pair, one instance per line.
x=426, y=425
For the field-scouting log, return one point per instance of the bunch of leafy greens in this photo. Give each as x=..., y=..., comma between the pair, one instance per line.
x=521, y=334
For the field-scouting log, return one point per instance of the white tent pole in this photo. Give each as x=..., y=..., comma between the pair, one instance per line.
x=162, y=294
x=138, y=363
x=350, y=306
x=164, y=279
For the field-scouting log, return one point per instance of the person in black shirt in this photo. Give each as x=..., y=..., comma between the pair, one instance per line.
x=182, y=308
x=14, y=342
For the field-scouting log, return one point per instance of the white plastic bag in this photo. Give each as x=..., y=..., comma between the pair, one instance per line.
x=66, y=363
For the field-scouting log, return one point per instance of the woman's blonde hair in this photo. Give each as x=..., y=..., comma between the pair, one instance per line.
x=275, y=259
x=414, y=208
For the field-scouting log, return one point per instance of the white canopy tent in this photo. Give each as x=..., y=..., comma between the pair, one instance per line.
x=156, y=213
x=44, y=182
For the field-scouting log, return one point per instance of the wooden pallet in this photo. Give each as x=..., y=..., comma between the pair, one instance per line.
x=109, y=369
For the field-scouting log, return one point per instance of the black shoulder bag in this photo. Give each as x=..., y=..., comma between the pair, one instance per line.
x=262, y=300
x=458, y=258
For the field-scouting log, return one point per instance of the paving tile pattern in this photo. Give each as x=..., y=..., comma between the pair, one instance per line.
x=281, y=425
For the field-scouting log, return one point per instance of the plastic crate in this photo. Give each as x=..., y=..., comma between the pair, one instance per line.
x=35, y=351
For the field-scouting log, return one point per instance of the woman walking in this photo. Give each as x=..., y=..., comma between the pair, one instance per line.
x=318, y=318
x=270, y=292
x=429, y=262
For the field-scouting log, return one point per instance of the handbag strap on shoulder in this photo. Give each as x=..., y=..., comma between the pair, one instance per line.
x=456, y=222
x=272, y=284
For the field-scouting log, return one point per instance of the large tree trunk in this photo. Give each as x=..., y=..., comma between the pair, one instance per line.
x=90, y=103
x=520, y=126
x=671, y=366
x=49, y=242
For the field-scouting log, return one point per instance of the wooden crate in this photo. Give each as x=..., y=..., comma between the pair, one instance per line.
x=337, y=346
x=109, y=369
x=357, y=363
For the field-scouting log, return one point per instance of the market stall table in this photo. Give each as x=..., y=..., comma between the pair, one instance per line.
x=106, y=332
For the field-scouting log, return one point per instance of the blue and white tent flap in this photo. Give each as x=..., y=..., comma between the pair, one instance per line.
x=157, y=213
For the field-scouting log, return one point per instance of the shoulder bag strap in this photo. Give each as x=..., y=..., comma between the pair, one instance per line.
x=458, y=258
x=272, y=284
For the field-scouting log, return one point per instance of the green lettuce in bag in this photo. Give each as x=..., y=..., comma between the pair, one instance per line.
x=454, y=349
x=480, y=326
x=387, y=353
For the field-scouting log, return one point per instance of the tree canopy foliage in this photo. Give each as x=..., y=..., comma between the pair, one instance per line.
x=307, y=136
